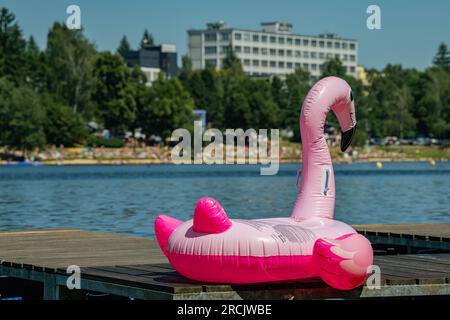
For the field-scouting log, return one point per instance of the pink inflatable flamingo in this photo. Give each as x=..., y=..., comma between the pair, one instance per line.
x=214, y=248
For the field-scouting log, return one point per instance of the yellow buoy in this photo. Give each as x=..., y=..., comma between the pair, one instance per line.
x=432, y=162
x=379, y=165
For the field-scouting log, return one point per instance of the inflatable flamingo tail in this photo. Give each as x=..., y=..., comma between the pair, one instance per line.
x=164, y=226
x=209, y=217
x=343, y=262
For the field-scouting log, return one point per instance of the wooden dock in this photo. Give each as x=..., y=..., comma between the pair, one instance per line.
x=120, y=266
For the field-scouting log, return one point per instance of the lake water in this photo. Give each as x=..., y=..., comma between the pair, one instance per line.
x=127, y=199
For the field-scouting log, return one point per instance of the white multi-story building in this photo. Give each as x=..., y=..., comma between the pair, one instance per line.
x=274, y=50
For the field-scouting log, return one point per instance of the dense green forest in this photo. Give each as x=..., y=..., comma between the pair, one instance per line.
x=47, y=96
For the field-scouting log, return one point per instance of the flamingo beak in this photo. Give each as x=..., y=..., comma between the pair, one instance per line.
x=347, y=137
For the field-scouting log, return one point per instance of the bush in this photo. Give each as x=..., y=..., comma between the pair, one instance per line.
x=96, y=141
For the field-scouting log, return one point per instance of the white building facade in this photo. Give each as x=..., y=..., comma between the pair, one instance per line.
x=274, y=50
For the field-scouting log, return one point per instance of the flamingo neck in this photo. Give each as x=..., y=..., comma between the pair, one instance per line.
x=317, y=193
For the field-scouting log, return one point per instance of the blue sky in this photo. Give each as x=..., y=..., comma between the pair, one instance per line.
x=411, y=30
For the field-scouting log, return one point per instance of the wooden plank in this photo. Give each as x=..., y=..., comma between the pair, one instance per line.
x=165, y=284
x=52, y=249
x=418, y=264
x=437, y=231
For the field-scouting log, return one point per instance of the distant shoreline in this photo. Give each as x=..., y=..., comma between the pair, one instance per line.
x=289, y=153
x=78, y=162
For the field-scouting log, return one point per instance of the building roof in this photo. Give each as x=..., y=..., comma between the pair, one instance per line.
x=324, y=36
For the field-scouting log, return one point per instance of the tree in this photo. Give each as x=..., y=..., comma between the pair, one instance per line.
x=333, y=67
x=124, y=46
x=399, y=120
x=21, y=117
x=391, y=102
x=113, y=92
x=232, y=65
x=297, y=86
x=185, y=72
x=264, y=111
x=432, y=109
x=62, y=125
x=70, y=57
x=147, y=40
x=169, y=107
x=36, y=67
x=12, y=48
x=442, y=57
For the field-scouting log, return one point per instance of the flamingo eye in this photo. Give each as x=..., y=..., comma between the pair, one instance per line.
x=351, y=96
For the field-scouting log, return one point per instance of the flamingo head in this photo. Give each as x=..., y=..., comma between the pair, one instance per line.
x=346, y=115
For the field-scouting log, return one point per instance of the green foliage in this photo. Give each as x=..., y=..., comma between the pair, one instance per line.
x=442, y=58
x=124, y=46
x=62, y=125
x=12, y=48
x=69, y=59
x=22, y=117
x=168, y=106
x=147, y=40
x=333, y=67
x=113, y=92
x=98, y=141
x=47, y=97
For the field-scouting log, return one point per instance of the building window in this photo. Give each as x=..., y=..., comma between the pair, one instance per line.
x=322, y=44
x=344, y=45
x=321, y=55
x=345, y=57
x=289, y=53
x=329, y=55
x=297, y=66
x=352, y=69
x=305, y=42
x=280, y=64
x=289, y=41
x=337, y=56
x=237, y=36
x=256, y=63
x=305, y=54
x=273, y=64
x=264, y=63
x=246, y=62
x=273, y=52
x=247, y=37
x=264, y=51
x=313, y=67
x=255, y=38
x=298, y=54
x=337, y=45
x=352, y=46
x=246, y=49
x=212, y=62
x=280, y=40
x=210, y=50
x=297, y=42
x=225, y=36
x=273, y=39
x=210, y=37
x=313, y=43
x=314, y=55
x=255, y=50
x=263, y=38
x=306, y=66
x=281, y=52
x=224, y=49
x=352, y=57
x=289, y=65
x=238, y=49
x=329, y=44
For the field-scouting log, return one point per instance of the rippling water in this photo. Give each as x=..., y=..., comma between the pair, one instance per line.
x=126, y=199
